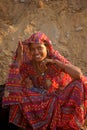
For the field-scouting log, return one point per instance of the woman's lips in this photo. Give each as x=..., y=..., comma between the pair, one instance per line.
x=37, y=56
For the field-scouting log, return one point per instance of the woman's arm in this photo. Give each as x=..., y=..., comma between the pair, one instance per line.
x=72, y=70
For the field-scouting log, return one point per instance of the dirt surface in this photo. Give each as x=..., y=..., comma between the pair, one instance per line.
x=64, y=22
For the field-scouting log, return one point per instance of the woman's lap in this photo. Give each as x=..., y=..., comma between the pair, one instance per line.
x=41, y=107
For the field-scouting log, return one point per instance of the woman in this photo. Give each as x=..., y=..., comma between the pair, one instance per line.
x=44, y=90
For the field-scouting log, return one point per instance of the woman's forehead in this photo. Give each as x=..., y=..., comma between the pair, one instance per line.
x=35, y=45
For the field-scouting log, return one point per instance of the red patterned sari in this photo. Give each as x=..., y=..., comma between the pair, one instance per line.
x=51, y=101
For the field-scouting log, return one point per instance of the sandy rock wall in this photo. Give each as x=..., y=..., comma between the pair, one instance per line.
x=65, y=23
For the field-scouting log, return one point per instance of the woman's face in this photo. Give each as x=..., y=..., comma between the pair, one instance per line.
x=38, y=51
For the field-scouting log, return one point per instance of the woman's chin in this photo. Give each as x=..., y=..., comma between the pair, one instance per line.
x=38, y=60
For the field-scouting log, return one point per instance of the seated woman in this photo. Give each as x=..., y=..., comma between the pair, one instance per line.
x=43, y=89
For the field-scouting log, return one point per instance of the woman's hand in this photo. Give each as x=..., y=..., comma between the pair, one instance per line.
x=74, y=71
x=46, y=61
x=43, y=64
x=20, y=53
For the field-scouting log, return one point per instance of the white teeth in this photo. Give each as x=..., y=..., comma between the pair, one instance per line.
x=37, y=56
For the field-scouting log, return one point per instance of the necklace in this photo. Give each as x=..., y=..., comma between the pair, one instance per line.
x=40, y=70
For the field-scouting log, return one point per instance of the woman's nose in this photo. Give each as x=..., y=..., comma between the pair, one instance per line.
x=36, y=51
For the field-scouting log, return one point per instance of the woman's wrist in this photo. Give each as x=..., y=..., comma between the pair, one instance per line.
x=60, y=64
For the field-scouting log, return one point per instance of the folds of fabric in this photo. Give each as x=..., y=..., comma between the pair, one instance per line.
x=42, y=110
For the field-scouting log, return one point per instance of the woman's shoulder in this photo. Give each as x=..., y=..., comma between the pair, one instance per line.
x=27, y=66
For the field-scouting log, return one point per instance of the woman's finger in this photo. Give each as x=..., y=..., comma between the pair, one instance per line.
x=20, y=44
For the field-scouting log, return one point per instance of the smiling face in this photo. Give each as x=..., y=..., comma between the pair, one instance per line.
x=38, y=51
